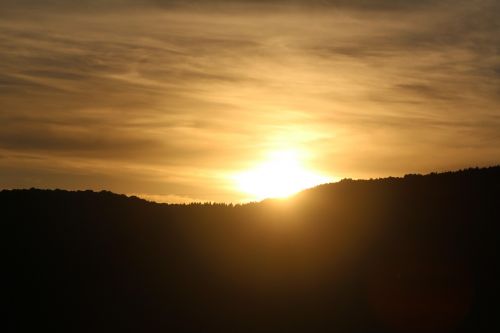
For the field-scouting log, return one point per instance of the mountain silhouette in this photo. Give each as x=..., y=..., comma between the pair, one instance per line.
x=413, y=254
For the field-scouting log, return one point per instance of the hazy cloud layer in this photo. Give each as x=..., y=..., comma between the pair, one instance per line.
x=168, y=98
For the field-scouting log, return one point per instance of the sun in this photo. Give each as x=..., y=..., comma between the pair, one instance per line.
x=280, y=176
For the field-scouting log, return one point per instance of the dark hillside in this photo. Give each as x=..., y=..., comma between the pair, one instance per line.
x=413, y=254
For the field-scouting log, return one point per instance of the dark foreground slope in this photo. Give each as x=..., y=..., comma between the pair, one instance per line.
x=412, y=254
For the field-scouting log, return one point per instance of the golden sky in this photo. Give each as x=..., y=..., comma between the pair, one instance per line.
x=170, y=99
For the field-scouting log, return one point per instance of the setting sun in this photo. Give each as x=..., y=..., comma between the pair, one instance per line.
x=280, y=176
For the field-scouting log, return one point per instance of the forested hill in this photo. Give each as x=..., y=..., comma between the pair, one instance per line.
x=411, y=254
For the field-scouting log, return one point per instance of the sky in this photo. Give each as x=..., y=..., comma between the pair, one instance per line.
x=169, y=100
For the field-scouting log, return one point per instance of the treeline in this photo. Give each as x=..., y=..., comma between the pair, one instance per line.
x=412, y=254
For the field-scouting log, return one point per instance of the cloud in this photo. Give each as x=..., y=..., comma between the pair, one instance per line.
x=166, y=198
x=174, y=96
x=380, y=5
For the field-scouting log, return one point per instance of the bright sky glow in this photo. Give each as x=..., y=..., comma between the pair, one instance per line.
x=280, y=176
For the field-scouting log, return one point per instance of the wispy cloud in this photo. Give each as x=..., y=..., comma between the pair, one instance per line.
x=167, y=97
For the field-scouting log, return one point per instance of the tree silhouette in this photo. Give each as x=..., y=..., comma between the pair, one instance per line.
x=412, y=254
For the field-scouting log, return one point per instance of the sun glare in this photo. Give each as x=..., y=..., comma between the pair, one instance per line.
x=280, y=176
